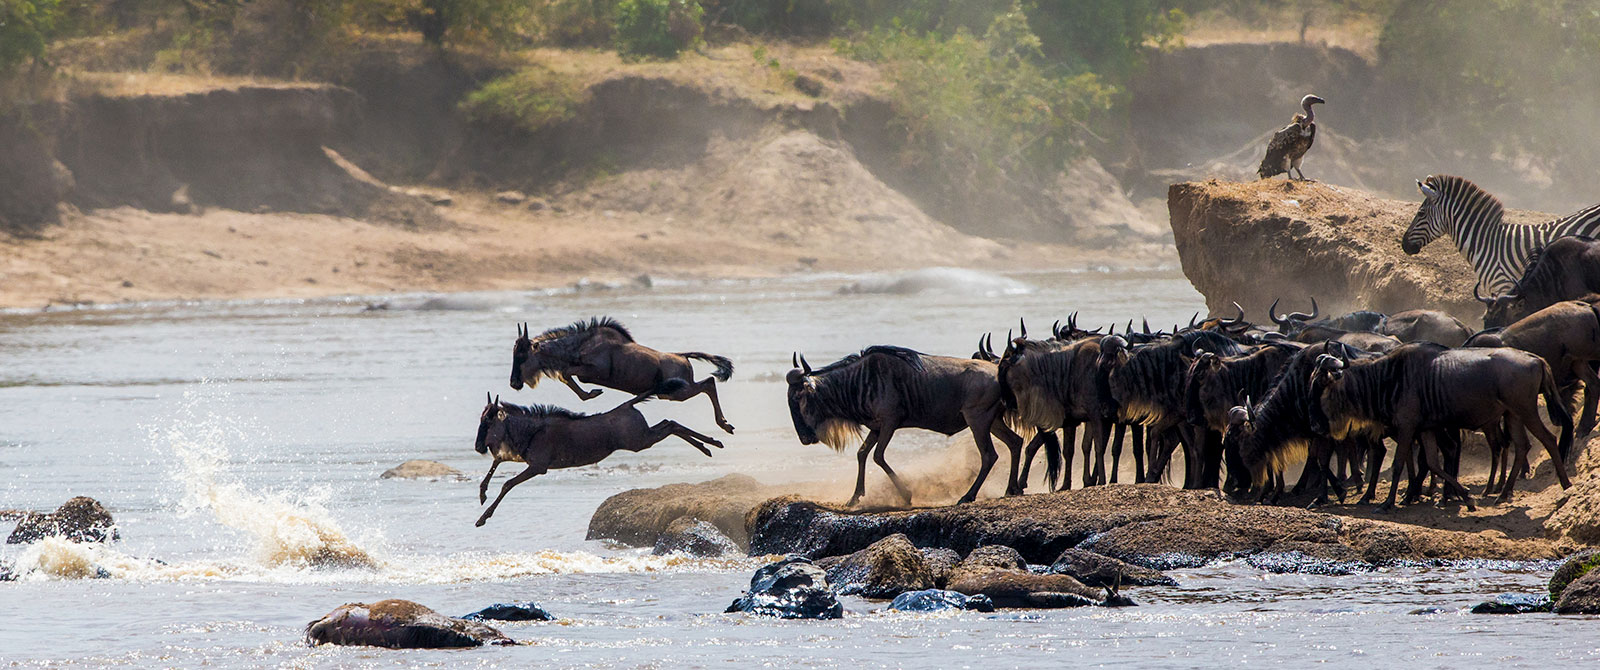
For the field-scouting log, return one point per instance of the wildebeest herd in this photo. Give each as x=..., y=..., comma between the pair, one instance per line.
x=1243, y=403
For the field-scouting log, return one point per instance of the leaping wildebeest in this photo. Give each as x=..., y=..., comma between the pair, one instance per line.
x=601, y=351
x=884, y=389
x=551, y=438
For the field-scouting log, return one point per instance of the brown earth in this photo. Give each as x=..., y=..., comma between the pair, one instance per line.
x=1258, y=241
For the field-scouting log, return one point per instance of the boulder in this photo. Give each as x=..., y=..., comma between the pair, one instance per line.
x=398, y=624
x=638, y=517
x=938, y=600
x=1095, y=570
x=999, y=572
x=81, y=519
x=687, y=535
x=792, y=588
x=1514, y=603
x=1582, y=596
x=523, y=611
x=1576, y=565
x=941, y=562
x=884, y=569
x=420, y=469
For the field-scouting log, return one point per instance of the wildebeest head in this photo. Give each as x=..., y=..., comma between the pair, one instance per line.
x=1502, y=310
x=1292, y=322
x=521, y=353
x=802, y=389
x=1201, y=371
x=1329, y=370
x=493, y=414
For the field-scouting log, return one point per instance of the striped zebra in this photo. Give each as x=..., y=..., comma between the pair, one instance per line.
x=1497, y=250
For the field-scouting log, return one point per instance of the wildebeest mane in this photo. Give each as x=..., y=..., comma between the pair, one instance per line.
x=1282, y=425
x=1544, y=272
x=585, y=329
x=541, y=411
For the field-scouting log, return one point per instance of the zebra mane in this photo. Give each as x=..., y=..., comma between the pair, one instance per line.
x=1462, y=191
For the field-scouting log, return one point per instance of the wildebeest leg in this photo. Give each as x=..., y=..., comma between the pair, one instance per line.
x=877, y=457
x=1069, y=436
x=1529, y=416
x=1591, y=396
x=708, y=386
x=1210, y=457
x=667, y=427
x=861, y=466
x=1161, y=446
x=572, y=383
x=981, y=425
x=1138, y=452
x=505, y=488
x=1402, y=459
x=1102, y=437
x=1496, y=439
x=1375, y=453
x=1519, y=463
x=1435, y=460
x=483, y=488
x=1013, y=442
x=1116, y=448
x=1087, y=448
x=1028, y=453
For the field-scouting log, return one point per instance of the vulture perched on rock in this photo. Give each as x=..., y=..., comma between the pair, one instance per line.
x=1289, y=145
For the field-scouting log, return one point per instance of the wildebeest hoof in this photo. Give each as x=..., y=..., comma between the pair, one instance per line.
x=725, y=426
x=481, y=521
x=593, y=394
x=1385, y=508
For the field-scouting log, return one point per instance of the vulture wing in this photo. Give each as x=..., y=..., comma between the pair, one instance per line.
x=1279, y=151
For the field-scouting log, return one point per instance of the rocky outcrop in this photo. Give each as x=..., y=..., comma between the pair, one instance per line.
x=1149, y=525
x=885, y=569
x=420, y=469
x=524, y=611
x=1578, y=519
x=640, y=516
x=81, y=519
x=1582, y=596
x=792, y=588
x=1095, y=570
x=1576, y=565
x=398, y=624
x=686, y=535
x=1255, y=242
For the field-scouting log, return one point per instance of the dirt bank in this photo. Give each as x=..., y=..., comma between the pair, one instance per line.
x=1258, y=241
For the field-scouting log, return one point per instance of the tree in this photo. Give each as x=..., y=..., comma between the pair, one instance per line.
x=461, y=20
x=26, y=27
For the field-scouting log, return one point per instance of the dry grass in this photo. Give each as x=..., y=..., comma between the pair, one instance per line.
x=1355, y=32
x=134, y=84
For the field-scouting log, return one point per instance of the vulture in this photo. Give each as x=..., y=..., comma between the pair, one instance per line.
x=1290, y=145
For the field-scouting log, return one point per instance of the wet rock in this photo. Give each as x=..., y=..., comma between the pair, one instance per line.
x=398, y=624
x=420, y=469
x=999, y=572
x=1096, y=570
x=687, y=535
x=1582, y=596
x=6, y=572
x=938, y=600
x=1576, y=565
x=941, y=562
x=792, y=588
x=1428, y=610
x=523, y=611
x=511, y=197
x=885, y=569
x=1299, y=563
x=1514, y=603
x=81, y=519
x=638, y=517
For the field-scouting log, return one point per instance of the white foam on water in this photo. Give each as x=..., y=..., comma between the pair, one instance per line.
x=959, y=281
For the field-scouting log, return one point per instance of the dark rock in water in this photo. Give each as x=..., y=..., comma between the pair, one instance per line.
x=940, y=562
x=1514, y=603
x=686, y=535
x=80, y=519
x=1095, y=570
x=1297, y=562
x=885, y=569
x=399, y=624
x=420, y=469
x=1429, y=610
x=1582, y=596
x=6, y=575
x=936, y=600
x=1000, y=573
x=1576, y=565
x=523, y=611
x=792, y=588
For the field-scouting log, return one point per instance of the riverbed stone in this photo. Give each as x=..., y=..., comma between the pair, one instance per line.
x=1096, y=570
x=81, y=519
x=940, y=562
x=1514, y=603
x=791, y=588
x=518, y=611
x=1582, y=596
x=1576, y=565
x=422, y=469
x=688, y=535
x=937, y=600
x=999, y=572
x=638, y=517
x=884, y=569
x=399, y=624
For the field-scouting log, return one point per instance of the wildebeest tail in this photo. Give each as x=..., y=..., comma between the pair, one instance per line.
x=1556, y=406
x=1052, y=460
x=724, y=366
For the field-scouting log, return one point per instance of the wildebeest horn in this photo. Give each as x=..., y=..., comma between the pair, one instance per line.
x=488, y=398
x=1194, y=321
x=1274, y=337
x=1072, y=320
x=1129, y=329
x=1024, y=328
x=1477, y=295
x=1237, y=319
x=794, y=360
x=1250, y=408
x=988, y=343
x=1273, y=313
x=497, y=400
x=1302, y=316
x=1055, y=328
x=804, y=366
x=1147, y=326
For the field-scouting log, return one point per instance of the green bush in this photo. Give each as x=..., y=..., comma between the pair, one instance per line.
x=777, y=17
x=532, y=99
x=26, y=27
x=577, y=22
x=657, y=28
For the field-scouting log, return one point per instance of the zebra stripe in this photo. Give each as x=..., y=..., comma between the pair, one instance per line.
x=1497, y=250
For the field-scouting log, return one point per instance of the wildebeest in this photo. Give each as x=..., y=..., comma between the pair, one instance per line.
x=1567, y=336
x=886, y=388
x=602, y=351
x=1566, y=269
x=1215, y=384
x=1421, y=388
x=1415, y=325
x=551, y=438
x=1048, y=385
x=1147, y=383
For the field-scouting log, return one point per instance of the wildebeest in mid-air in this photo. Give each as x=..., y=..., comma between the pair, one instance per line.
x=601, y=351
x=551, y=438
x=884, y=389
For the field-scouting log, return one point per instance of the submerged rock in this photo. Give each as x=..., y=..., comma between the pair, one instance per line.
x=1514, y=603
x=936, y=600
x=885, y=569
x=420, y=469
x=398, y=624
x=687, y=535
x=81, y=519
x=1582, y=596
x=523, y=611
x=792, y=588
x=1096, y=570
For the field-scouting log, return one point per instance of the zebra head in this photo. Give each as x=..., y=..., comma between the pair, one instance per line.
x=1432, y=220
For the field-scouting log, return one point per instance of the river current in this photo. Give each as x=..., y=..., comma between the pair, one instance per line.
x=239, y=445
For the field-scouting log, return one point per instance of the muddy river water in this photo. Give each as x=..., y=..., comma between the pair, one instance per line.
x=237, y=442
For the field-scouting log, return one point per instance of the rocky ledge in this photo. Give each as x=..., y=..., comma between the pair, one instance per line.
x=1258, y=241
x=1148, y=525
